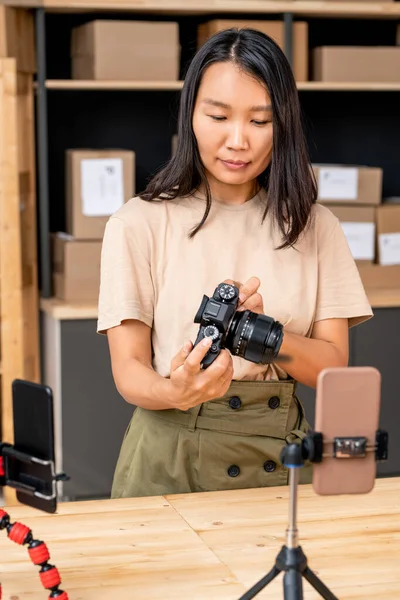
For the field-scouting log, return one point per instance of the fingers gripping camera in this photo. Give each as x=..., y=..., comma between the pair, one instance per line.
x=255, y=337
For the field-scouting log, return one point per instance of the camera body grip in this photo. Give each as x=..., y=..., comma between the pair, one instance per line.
x=255, y=337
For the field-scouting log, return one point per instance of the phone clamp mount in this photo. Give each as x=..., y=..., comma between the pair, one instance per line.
x=291, y=558
x=15, y=472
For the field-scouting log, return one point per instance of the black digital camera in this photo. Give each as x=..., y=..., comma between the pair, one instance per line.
x=255, y=337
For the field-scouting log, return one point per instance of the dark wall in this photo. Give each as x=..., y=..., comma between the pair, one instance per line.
x=94, y=415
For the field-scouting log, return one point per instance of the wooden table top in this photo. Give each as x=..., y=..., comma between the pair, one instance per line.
x=212, y=545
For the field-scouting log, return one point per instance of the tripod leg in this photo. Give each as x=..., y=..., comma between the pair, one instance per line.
x=252, y=592
x=318, y=585
x=292, y=585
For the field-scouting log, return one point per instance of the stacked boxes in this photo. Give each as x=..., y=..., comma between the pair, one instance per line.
x=98, y=182
x=352, y=193
x=372, y=229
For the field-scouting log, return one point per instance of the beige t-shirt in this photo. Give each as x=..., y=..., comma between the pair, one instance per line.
x=153, y=272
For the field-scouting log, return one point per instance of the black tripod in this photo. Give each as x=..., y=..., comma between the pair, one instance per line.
x=291, y=559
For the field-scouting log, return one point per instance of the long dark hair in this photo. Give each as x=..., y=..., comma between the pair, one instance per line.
x=288, y=179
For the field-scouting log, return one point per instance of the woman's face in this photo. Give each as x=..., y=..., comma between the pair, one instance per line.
x=232, y=122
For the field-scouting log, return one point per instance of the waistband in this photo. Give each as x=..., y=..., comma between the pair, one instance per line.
x=266, y=408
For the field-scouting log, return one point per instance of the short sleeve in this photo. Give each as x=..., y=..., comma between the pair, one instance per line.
x=126, y=287
x=341, y=293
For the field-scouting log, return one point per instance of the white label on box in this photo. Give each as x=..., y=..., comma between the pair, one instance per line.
x=337, y=183
x=361, y=239
x=102, y=186
x=64, y=236
x=389, y=248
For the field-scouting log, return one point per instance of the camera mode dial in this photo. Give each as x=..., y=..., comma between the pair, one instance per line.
x=211, y=331
x=226, y=291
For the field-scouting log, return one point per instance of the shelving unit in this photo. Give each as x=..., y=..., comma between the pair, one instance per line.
x=350, y=122
x=288, y=11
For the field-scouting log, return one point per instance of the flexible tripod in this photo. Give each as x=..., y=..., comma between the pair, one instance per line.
x=12, y=463
x=291, y=559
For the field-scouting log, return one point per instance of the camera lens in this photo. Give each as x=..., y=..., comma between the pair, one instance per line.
x=254, y=337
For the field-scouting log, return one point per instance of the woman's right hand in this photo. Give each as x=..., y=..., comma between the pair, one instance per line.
x=189, y=384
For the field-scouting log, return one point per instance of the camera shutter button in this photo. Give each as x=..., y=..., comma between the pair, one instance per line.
x=211, y=331
x=226, y=291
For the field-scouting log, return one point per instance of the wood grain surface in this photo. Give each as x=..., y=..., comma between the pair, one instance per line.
x=212, y=545
x=376, y=10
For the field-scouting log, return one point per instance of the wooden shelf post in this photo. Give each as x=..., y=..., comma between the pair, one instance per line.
x=19, y=330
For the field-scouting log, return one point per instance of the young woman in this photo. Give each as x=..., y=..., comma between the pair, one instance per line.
x=236, y=204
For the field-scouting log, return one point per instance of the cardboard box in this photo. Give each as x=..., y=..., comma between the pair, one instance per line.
x=380, y=277
x=388, y=234
x=98, y=182
x=76, y=268
x=126, y=50
x=358, y=224
x=17, y=37
x=347, y=184
x=356, y=64
x=274, y=29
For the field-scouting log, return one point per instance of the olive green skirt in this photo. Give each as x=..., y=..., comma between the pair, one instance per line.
x=232, y=442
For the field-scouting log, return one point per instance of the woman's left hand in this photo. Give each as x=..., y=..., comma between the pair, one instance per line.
x=249, y=298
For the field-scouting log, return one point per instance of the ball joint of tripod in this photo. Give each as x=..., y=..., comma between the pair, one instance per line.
x=292, y=456
x=310, y=449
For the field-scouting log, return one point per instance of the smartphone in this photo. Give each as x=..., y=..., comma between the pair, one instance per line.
x=33, y=436
x=347, y=406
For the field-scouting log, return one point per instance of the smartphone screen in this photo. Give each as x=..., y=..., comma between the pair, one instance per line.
x=34, y=435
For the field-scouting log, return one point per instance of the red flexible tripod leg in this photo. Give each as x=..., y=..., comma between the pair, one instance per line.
x=38, y=553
